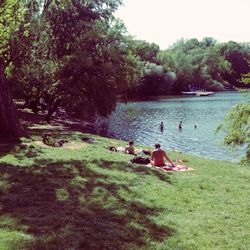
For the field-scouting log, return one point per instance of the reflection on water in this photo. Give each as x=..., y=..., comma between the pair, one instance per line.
x=139, y=121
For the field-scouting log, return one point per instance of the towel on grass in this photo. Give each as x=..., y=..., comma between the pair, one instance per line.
x=168, y=168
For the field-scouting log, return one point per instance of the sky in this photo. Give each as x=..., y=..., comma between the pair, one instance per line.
x=166, y=21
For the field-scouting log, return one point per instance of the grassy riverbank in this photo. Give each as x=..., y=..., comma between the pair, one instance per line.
x=84, y=197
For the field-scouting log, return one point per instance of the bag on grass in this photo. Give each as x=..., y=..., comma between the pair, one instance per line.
x=140, y=160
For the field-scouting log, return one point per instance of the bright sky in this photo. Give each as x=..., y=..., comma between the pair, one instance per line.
x=165, y=21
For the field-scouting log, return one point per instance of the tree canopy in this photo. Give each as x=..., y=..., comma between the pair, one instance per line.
x=75, y=55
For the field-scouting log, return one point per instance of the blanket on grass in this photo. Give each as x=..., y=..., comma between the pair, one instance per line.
x=177, y=168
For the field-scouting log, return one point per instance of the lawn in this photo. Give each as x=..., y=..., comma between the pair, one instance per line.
x=86, y=197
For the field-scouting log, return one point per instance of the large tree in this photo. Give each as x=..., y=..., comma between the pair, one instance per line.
x=73, y=54
x=10, y=15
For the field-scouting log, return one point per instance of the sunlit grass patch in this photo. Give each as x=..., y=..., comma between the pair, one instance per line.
x=11, y=239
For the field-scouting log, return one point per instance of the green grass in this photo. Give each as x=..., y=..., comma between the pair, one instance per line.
x=90, y=198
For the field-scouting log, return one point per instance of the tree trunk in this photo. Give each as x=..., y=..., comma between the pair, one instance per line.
x=53, y=106
x=10, y=126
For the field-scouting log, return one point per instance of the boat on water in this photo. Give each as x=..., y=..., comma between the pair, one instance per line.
x=198, y=93
x=204, y=93
x=189, y=93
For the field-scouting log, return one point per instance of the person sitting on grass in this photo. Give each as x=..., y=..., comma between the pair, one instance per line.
x=129, y=149
x=50, y=141
x=158, y=157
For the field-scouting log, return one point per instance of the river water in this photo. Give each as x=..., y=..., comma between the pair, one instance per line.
x=139, y=121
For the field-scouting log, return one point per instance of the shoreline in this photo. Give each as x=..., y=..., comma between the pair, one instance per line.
x=123, y=99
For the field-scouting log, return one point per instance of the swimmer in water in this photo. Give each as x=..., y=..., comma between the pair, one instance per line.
x=180, y=125
x=161, y=126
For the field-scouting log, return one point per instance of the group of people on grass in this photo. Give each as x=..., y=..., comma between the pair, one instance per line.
x=158, y=155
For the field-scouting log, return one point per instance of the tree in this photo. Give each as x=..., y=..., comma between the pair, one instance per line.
x=237, y=123
x=214, y=67
x=11, y=13
x=35, y=68
x=146, y=51
x=165, y=58
x=238, y=55
x=76, y=51
x=208, y=42
x=100, y=67
x=183, y=70
x=155, y=81
x=184, y=59
x=95, y=60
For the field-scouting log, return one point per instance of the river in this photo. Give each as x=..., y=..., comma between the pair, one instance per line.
x=139, y=121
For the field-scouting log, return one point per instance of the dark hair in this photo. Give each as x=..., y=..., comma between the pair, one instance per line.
x=157, y=145
x=130, y=142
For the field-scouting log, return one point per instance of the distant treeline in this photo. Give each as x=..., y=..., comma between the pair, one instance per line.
x=76, y=55
x=191, y=64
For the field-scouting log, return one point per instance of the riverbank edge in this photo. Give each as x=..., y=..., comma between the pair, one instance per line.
x=124, y=99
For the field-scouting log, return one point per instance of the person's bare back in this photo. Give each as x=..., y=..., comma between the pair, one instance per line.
x=158, y=157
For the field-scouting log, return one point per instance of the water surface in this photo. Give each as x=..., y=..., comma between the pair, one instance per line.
x=139, y=121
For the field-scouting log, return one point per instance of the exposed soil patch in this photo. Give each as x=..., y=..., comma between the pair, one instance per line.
x=68, y=145
x=74, y=145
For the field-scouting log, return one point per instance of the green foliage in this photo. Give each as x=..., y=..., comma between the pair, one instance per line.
x=156, y=81
x=214, y=68
x=245, y=78
x=146, y=51
x=208, y=41
x=206, y=64
x=100, y=67
x=238, y=55
x=11, y=15
x=236, y=124
x=35, y=67
x=166, y=59
x=62, y=54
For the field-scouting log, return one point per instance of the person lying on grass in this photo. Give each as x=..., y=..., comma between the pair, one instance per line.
x=158, y=157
